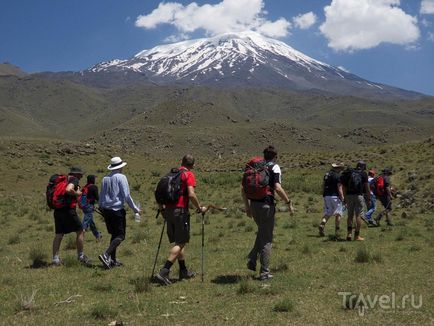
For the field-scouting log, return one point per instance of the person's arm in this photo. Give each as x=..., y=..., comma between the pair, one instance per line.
x=246, y=203
x=195, y=200
x=282, y=194
x=341, y=192
x=70, y=190
x=125, y=189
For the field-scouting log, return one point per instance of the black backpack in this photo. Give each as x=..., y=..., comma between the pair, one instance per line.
x=169, y=187
x=355, y=183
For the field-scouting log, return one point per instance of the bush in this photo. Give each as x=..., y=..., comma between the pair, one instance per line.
x=245, y=287
x=102, y=311
x=285, y=305
x=38, y=256
x=141, y=284
x=364, y=256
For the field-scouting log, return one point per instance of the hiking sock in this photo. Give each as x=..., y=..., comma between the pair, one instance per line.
x=356, y=234
x=323, y=222
x=350, y=229
x=168, y=264
x=182, y=265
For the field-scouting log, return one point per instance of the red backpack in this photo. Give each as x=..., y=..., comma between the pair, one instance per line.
x=256, y=179
x=55, y=193
x=83, y=199
x=379, y=186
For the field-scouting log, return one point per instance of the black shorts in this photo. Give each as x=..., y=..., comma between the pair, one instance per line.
x=386, y=202
x=115, y=221
x=66, y=221
x=178, y=225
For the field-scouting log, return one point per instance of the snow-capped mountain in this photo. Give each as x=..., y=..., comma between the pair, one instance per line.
x=243, y=59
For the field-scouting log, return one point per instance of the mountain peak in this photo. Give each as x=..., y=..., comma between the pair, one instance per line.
x=244, y=59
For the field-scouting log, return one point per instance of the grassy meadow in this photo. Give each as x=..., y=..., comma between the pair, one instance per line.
x=309, y=271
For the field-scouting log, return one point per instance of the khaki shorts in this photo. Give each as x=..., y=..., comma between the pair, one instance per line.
x=355, y=205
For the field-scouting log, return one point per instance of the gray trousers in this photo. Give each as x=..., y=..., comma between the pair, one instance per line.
x=263, y=214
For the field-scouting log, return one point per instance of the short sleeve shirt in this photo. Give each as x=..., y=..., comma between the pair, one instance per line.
x=188, y=179
x=332, y=180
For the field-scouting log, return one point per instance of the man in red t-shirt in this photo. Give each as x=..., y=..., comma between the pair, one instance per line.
x=177, y=218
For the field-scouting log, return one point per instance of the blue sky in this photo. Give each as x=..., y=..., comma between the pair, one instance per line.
x=387, y=41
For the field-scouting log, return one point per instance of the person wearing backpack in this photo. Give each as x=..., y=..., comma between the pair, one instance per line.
x=370, y=209
x=66, y=219
x=333, y=197
x=177, y=218
x=115, y=192
x=384, y=194
x=261, y=180
x=87, y=204
x=356, y=193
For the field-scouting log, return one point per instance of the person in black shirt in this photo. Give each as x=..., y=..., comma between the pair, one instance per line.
x=89, y=197
x=333, y=197
x=356, y=193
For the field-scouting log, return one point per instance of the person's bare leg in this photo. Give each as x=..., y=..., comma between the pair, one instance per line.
x=56, y=244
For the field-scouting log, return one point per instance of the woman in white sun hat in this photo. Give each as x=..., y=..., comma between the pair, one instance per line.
x=115, y=191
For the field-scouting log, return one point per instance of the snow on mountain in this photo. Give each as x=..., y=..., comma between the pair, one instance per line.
x=242, y=59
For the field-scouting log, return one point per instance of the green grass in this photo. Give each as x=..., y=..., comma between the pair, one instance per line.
x=309, y=271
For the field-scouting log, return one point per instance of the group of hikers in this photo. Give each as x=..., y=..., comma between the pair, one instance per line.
x=175, y=193
x=354, y=189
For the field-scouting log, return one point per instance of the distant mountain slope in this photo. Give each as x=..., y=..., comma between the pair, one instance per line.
x=7, y=69
x=245, y=59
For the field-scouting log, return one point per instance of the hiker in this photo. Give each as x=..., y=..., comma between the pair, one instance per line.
x=87, y=203
x=333, y=197
x=115, y=191
x=370, y=209
x=177, y=218
x=384, y=193
x=356, y=193
x=66, y=219
x=259, y=203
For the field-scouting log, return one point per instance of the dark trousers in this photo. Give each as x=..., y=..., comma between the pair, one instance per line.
x=263, y=214
x=116, y=225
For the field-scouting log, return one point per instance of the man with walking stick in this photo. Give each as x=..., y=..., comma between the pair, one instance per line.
x=173, y=195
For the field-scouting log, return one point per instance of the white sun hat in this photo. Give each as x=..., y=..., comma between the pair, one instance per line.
x=116, y=163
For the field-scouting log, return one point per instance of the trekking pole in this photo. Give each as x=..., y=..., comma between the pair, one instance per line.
x=203, y=244
x=159, y=244
x=203, y=234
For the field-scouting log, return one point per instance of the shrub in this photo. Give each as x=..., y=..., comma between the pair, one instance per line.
x=141, y=284
x=285, y=305
x=38, y=256
x=27, y=302
x=14, y=239
x=102, y=311
x=245, y=287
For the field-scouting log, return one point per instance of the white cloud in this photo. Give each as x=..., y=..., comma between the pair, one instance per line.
x=362, y=24
x=305, y=21
x=427, y=7
x=226, y=16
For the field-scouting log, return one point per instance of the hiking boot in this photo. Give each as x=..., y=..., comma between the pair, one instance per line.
x=321, y=230
x=185, y=274
x=85, y=260
x=265, y=276
x=163, y=276
x=365, y=219
x=105, y=260
x=359, y=238
x=349, y=237
x=115, y=263
x=251, y=265
x=56, y=262
x=372, y=224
